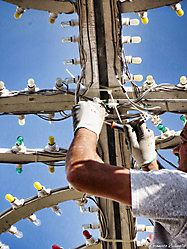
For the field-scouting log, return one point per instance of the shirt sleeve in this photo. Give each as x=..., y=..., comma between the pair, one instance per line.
x=159, y=194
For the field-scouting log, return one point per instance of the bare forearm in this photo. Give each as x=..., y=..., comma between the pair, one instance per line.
x=87, y=173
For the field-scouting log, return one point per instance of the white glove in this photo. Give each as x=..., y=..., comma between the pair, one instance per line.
x=89, y=115
x=141, y=142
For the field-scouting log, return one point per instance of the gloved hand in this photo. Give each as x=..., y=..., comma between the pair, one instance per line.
x=89, y=115
x=141, y=142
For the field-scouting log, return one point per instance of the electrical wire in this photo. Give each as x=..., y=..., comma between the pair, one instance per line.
x=103, y=218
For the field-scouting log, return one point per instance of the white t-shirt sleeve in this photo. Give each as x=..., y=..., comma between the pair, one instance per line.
x=159, y=194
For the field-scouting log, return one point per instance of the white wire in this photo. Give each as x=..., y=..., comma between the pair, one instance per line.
x=110, y=93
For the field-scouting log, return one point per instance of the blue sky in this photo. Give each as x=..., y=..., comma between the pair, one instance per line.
x=32, y=48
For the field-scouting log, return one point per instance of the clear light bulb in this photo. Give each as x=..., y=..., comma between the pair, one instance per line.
x=38, y=186
x=183, y=80
x=136, y=60
x=137, y=77
x=149, y=79
x=34, y=219
x=31, y=83
x=13, y=230
x=66, y=39
x=2, y=85
x=134, y=22
x=21, y=119
x=19, y=235
x=57, y=210
x=136, y=39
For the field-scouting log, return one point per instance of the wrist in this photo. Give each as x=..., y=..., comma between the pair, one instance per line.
x=151, y=166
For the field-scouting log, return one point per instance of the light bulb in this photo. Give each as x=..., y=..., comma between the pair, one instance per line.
x=145, y=20
x=19, y=235
x=21, y=119
x=21, y=122
x=136, y=39
x=31, y=83
x=70, y=39
x=128, y=21
x=143, y=16
x=19, y=140
x=137, y=77
x=183, y=80
x=71, y=23
x=136, y=60
x=65, y=24
x=180, y=12
x=34, y=219
x=57, y=210
x=38, y=186
x=19, y=12
x=134, y=22
x=75, y=61
x=149, y=79
x=59, y=84
x=2, y=85
x=10, y=198
x=19, y=168
x=66, y=39
x=13, y=230
x=52, y=17
x=51, y=169
x=177, y=8
x=51, y=140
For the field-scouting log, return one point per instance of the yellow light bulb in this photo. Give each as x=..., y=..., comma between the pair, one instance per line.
x=137, y=77
x=38, y=186
x=10, y=198
x=183, y=80
x=180, y=12
x=51, y=20
x=51, y=140
x=145, y=20
x=51, y=169
x=17, y=15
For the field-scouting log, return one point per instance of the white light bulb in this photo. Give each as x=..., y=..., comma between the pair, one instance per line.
x=136, y=39
x=136, y=60
x=2, y=85
x=134, y=22
x=137, y=77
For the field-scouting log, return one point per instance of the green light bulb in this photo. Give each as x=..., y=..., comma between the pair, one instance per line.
x=161, y=128
x=182, y=118
x=19, y=140
x=19, y=170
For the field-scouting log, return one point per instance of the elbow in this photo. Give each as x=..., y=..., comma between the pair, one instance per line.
x=75, y=176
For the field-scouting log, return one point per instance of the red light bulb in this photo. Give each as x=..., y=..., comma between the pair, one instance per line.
x=56, y=247
x=87, y=234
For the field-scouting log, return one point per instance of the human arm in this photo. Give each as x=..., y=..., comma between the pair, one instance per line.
x=87, y=173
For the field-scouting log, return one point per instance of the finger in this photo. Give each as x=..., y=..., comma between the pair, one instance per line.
x=131, y=135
